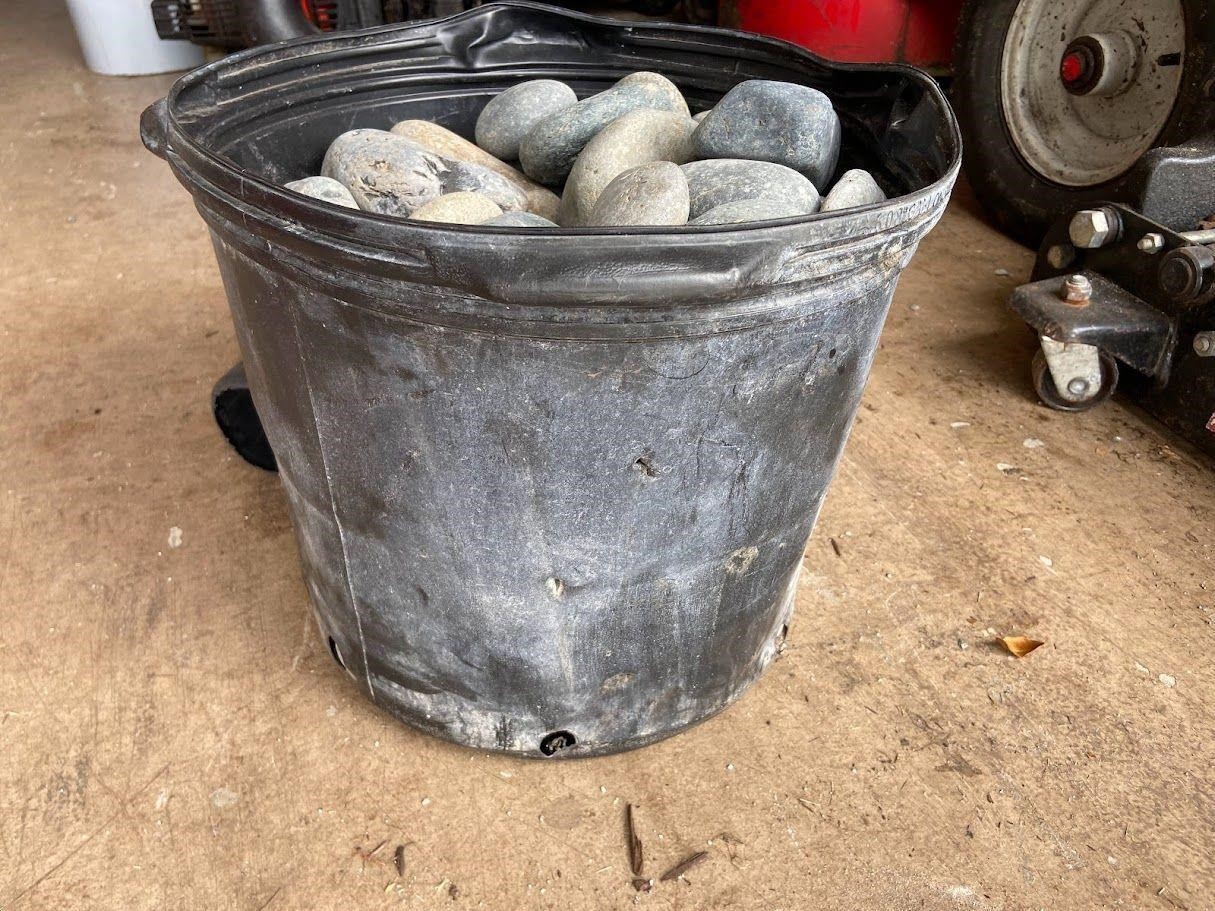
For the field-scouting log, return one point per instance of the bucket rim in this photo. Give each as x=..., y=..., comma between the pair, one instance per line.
x=165, y=136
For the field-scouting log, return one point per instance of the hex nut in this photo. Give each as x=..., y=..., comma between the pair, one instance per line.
x=1151, y=243
x=1077, y=289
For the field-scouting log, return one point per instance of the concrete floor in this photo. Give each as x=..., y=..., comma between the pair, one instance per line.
x=174, y=735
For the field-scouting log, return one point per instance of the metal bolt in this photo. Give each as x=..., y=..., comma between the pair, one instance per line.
x=1077, y=289
x=1091, y=229
x=1151, y=243
x=1204, y=344
x=1078, y=387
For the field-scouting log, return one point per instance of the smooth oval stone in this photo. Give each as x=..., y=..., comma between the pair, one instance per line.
x=765, y=208
x=701, y=116
x=325, y=189
x=855, y=188
x=650, y=194
x=464, y=177
x=511, y=115
x=454, y=147
x=781, y=122
x=520, y=220
x=384, y=173
x=462, y=208
x=634, y=139
x=548, y=152
x=717, y=181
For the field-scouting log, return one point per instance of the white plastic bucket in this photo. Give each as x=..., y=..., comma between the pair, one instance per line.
x=118, y=38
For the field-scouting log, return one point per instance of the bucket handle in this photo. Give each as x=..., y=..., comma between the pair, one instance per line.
x=154, y=127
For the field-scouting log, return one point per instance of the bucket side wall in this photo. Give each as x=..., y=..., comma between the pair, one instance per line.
x=282, y=393
x=531, y=534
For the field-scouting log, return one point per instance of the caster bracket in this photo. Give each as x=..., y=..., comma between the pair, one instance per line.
x=1111, y=319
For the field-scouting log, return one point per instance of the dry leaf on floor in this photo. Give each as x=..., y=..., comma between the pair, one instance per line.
x=1019, y=646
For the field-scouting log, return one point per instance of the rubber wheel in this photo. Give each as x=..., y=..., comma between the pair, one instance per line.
x=238, y=420
x=1019, y=199
x=1048, y=392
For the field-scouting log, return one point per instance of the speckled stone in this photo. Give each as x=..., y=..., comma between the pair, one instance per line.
x=325, y=189
x=519, y=220
x=459, y=209
x=511, y=115
x=454, y=147
x=765, y=208
x=855, y=188
x=634, y=139
x=548, y=152
x=781, y=122
x=384, y=173
x=463, y=176
x=650, y=194
x=718, y=181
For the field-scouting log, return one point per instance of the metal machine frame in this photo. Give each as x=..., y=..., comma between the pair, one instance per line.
x=1114, y=289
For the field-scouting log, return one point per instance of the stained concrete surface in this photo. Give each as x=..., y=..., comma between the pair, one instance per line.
x=173, y=734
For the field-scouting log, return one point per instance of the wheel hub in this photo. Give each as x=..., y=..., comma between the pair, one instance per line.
x=1076, y=69
x=1087, y=86
x=1103, y=64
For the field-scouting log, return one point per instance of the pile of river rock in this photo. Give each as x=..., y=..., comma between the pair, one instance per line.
x=631, y=155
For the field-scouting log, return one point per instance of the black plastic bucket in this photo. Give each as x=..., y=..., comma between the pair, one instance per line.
x=551, y=488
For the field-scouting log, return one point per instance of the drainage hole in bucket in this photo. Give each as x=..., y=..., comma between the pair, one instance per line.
x=556, y=742
x=337, y=655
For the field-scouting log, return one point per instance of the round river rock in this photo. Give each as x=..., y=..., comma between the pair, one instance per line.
x=454, y=147
x=519, y=220
x=324, y=188
x=634, y=139
x=384, y=173
x=549, y=150
x=781, y=122
x=462, y=176
x=856, y=188
x=459, y=209
x=511, y=115
x=650, y=194
x=765, y=208
x=717, y=181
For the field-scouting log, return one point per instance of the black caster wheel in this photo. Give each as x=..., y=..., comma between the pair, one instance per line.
x=237, y=418
x=1044, y=384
